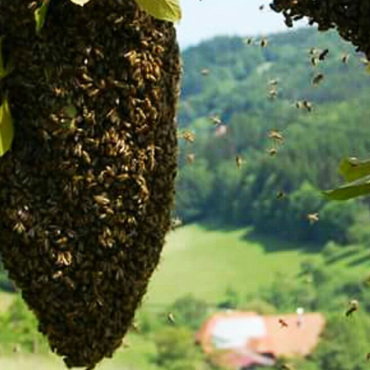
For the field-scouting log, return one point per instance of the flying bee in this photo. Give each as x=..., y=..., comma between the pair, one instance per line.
x=315, y=61
x=344, y=58
x=283, y=323
x=264, y=43
x=299, y=104
x=280, y=195
x=272, y=151
x=188, y=136
x=215, y=120
x=205, y=71
x=248, y=41
x=323, y=54
x=239, y=161
x=261, y=7
x=190, y=158
x=368, y=356
x=273, y=92
x=353, y=306
x=171, y=318
x=307, y=105
x=273, y=82
x=317, y=79
x=175, y=223
x=313, y=217
x=276, y=136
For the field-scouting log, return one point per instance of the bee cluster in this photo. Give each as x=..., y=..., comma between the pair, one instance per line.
x=350, y=17
x=87, y=190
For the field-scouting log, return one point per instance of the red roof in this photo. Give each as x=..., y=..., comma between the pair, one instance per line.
x=298, y=336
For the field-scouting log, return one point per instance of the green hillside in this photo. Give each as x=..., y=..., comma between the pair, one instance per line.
x=205, y=263
x=236, y=91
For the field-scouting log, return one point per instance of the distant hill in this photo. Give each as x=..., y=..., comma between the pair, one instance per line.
x=253, y=90
x=239, y=73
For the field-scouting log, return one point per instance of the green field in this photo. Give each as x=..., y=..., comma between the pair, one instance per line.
x=203, y=262
x=206, y=262
x=135, y=357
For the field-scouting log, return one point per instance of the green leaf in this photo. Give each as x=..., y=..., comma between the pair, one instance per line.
x=6, y=128
x=350, y=190
x=40, y=15
x=4, y=70
x=166, y=10
x=353, y=169
x=80, y=2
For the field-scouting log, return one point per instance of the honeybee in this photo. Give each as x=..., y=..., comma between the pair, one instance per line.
x=175, y=223
x=248, y=41
x=315, y=61
x=323, y=54
x=273, y=82
x=239, y=161
x=317, y=79
x=276, y=135
x=188, y=136
x=280, y=195
x=283, y=323
x=313, y=217
x=190, y=158
x=353, y=306
x=205, y=71
x=307, y=105
x=272, y=151
x=264, y=43
x=171, y=318
x=273, y=92
x=215, y=120
x=344, y=58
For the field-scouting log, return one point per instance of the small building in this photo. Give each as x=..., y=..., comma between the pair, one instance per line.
x=241, y=340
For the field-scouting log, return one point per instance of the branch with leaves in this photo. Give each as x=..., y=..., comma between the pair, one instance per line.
x=357, y=175
x=166, y=10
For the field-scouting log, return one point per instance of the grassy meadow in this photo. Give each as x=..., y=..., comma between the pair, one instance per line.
x=204, y=262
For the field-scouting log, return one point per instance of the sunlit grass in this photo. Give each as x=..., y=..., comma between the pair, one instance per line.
x=206, y=262
x=134, y=357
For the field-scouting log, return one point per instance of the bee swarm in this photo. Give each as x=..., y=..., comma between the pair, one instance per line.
x=87, y=190
x=350, y=17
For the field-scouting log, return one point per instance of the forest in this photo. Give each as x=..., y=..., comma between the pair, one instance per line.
x=277, y=184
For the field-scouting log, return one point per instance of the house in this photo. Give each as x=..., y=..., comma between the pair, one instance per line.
x=241, y=340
